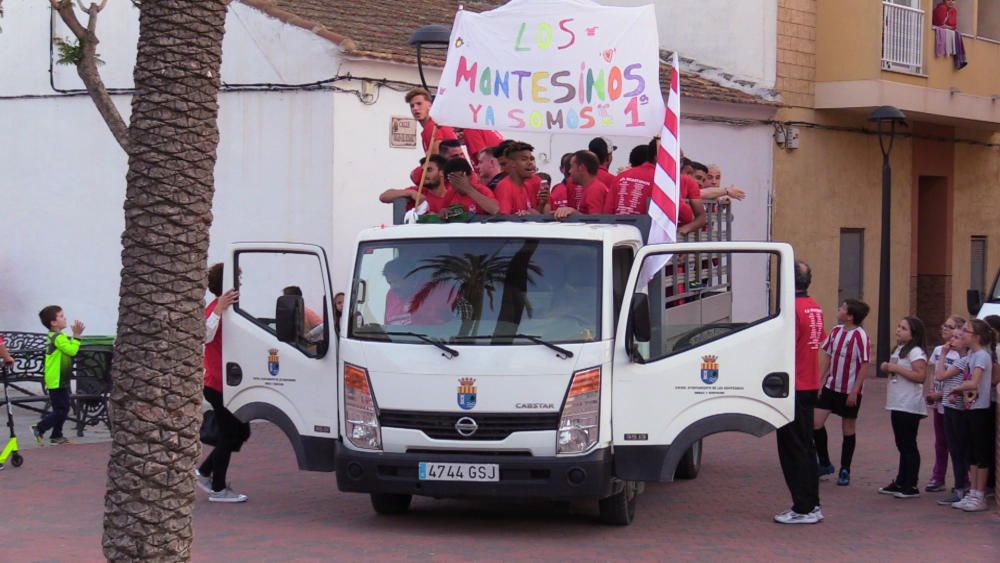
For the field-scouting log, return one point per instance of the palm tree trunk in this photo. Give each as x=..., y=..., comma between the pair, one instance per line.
x=160, y=344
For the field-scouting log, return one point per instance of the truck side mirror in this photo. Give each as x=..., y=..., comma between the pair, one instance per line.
x=973, y=301
x=288, y=316
x=639, y=318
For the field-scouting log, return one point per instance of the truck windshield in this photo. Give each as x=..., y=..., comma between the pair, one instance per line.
x=477, y=291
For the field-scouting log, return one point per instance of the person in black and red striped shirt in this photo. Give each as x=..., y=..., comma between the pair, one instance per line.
x=846, y=364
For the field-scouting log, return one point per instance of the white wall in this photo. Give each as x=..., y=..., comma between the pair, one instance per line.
x=737, y=36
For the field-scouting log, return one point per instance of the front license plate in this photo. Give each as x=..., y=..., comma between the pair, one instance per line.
x=433, y=471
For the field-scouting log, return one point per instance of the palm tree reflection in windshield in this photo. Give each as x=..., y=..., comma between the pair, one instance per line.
x=475, y=278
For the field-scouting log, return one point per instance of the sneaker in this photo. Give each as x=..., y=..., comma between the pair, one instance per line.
x=61, y=440
x=909, y=492
x=975, y=502
x=965, y=500
x=890, y=489
x=226, y=495
x=934, y=487
x=818, y=512
x=955, y=496
x=825, y=470
x=204, y=482
x=39, y=437
x=844, y=479
x=792, y=517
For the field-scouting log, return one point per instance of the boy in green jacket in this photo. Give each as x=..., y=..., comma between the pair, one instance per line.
x=59, y=352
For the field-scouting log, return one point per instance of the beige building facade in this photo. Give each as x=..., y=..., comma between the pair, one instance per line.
x=837, y=61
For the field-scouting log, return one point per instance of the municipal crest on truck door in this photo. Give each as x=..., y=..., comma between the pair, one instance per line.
x=467, y=393
x=709, y=369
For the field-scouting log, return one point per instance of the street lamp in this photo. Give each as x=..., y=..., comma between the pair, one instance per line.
x=887, y=118
x=431, y=36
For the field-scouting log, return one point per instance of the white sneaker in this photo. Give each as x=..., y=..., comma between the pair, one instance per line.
x=792, y=517
x=226, y=495
x=976, y=503
x=818, y=511
x=965, y=500
x=204, y=483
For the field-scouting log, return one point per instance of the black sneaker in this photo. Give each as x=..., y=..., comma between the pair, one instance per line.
x=39, y=437
x=844, y=479
x=890, y=489
x=908, y=492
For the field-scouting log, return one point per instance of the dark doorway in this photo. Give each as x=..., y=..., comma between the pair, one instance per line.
x=933, y=291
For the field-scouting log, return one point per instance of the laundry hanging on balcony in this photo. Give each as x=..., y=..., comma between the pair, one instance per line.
x=948, y=43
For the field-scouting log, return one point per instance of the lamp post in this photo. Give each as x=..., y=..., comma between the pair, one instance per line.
x=887, y=118
x=431, y=36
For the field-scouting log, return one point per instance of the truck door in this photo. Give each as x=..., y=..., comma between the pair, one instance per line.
x=279, y=345
x=689, y=362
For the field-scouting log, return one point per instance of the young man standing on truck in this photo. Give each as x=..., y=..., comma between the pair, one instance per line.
x=420, y=108
x=514, y=192
x=583, y=168
x=796, y=450
x=847, y=360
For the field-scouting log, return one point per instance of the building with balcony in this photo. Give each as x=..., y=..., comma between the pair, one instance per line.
x=837, y=60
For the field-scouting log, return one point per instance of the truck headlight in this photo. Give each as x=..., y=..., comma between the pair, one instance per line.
x=581, y=413
x=360, y=414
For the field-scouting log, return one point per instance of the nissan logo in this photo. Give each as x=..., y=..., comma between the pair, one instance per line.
x=466, y=427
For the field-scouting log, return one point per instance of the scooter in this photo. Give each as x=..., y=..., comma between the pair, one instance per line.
x=10, y=450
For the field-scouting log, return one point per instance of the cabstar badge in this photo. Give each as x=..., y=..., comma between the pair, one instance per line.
x=709, y=369
x=466, y=392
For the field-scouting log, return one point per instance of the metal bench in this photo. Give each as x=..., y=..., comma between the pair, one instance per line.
x=90, y=379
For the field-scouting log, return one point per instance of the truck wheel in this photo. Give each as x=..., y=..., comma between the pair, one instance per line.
x=619, y=508
x=389, y=504
x=690, y=464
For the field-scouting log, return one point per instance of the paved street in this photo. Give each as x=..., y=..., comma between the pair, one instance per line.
x=724, y=514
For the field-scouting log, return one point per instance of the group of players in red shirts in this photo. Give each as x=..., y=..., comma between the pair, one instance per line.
x=506, y=180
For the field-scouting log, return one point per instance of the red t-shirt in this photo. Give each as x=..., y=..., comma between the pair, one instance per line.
x=455, y=198
x=514, y=198
x=629, y=194
x=945, y=16
x=594, y=195
x=435, y=203
x=213, y=353
x=809, y=334
x=606, y=178
x=558, y=197
x=478, y=139
x=443, y=133
x=689, y=190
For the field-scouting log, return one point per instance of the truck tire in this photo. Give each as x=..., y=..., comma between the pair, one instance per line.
x=690, y=464
x=619, y=508
x=389, y=504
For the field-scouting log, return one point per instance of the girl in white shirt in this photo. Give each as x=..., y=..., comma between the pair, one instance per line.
x=904, y=399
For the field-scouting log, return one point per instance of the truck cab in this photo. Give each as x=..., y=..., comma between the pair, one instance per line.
x=509, y=359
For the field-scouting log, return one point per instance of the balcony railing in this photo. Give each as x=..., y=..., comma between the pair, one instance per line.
x=902, y=38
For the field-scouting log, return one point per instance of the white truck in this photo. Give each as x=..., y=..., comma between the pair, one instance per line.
x=982, y=307
x=509, y=359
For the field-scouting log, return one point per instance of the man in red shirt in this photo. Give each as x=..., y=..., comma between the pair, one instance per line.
x=449, y=149
x=435, y=190
x=490, y=172
x=691, y=194
x=605, y=153
x=629, y=194
x=796, y=450
x=514, y=193
x=474, y=197
x=420, y=107
x=583, y=167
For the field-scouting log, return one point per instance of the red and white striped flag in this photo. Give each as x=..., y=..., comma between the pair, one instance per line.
x=665, y=196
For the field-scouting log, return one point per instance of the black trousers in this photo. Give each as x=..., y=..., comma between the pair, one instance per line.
x=217, y=463
x=904, y=428
x=60, y=411
x=797, y=454
x=958, y=446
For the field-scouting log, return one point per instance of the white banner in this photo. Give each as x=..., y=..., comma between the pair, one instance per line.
x=553, y=66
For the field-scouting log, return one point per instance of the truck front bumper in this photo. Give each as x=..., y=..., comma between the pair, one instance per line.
x=587, y=476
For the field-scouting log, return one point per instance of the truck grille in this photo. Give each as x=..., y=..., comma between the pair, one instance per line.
x=492, y=426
